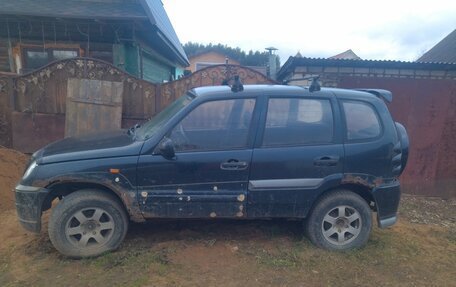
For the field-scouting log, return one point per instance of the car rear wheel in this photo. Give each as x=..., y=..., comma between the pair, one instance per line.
x=341, y=220
x=87, y=223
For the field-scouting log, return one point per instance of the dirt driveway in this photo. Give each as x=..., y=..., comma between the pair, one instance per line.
x=419, y=251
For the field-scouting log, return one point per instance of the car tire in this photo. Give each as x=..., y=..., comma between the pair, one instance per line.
x=340, y=220
x=87, y=223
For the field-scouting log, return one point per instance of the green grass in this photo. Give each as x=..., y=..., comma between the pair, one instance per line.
x=451, y=236
x=282, y=258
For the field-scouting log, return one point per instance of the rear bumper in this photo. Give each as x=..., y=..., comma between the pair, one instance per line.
x=29, y=200
x=387, y=199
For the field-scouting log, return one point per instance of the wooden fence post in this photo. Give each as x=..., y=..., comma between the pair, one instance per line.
x=6, y=108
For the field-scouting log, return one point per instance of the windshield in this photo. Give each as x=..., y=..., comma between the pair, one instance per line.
x=147, y=129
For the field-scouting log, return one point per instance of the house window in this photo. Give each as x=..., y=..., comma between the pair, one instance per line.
x=34, y=58
x=200, y=66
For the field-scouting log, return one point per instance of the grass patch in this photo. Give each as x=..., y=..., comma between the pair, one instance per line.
x=141, y=258
x=451, y=236
x=140, y=281
x=279, y=259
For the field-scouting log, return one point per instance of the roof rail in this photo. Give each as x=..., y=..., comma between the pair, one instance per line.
x=383, y=94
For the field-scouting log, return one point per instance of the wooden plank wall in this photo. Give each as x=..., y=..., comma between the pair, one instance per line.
x=92, y=106
x=6, y=90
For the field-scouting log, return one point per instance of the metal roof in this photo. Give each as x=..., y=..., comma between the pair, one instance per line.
x=444, y=51
x=158, y=17
x=72, y=9
x=349, y=54
x=294, y=62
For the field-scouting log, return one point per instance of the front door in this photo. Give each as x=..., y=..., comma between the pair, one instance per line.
x=297, y=155
x=209, y=175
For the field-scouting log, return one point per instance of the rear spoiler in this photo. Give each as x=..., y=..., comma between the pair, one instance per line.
x=383, y=94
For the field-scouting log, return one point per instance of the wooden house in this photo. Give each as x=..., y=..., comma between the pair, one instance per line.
x=134, y=35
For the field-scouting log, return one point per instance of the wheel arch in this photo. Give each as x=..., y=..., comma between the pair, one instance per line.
x=363, y=191
x=61, y=189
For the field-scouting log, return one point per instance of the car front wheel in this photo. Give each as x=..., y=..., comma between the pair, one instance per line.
x=87, y=223
x=341, y=220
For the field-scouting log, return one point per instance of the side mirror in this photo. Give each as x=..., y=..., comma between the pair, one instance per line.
x=166, y=148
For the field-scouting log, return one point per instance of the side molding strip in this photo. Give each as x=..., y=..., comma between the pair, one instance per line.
x=284, y=183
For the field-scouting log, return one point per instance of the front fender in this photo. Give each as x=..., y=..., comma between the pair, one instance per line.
x=117, y=183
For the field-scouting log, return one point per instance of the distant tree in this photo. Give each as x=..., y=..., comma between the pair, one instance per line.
x=252, y=58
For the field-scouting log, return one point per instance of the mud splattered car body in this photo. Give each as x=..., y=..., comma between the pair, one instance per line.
x=263, y=152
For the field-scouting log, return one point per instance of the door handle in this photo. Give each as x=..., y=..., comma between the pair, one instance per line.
x=233, y=164
x=326, y=161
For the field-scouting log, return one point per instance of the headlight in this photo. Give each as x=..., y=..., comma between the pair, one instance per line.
x=30, y=169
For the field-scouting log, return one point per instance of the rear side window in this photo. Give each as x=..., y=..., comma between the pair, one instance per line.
x=298, y=122
x=362, y=121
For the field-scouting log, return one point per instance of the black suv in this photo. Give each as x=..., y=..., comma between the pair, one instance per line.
x=330, y=157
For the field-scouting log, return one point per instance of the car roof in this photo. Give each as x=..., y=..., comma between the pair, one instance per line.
x=279, y=89
x=211, y=90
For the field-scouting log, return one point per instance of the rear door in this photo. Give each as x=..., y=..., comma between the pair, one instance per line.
x=298, y=153
x=209, y=175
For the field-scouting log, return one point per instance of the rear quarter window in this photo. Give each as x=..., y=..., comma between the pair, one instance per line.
x=361, y=120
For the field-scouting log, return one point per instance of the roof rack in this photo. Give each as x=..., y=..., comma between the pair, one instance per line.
x=314, y=85
x=236, y=86
x=382, y=94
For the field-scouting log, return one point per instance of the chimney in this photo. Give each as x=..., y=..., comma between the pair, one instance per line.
x=272, y=63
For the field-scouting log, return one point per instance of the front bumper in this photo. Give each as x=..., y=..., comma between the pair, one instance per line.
x=29, y=200
x=387, y=199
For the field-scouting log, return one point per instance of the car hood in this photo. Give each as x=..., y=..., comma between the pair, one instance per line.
x=103, y=145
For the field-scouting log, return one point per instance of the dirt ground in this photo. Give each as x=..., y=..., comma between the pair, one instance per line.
x=419, y=251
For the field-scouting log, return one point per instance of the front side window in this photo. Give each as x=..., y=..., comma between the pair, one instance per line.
x=214, y=125
x=149, y=128
x=292, y=121
x=362, y=121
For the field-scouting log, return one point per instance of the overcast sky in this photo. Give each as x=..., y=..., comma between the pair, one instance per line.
x=385, y=30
